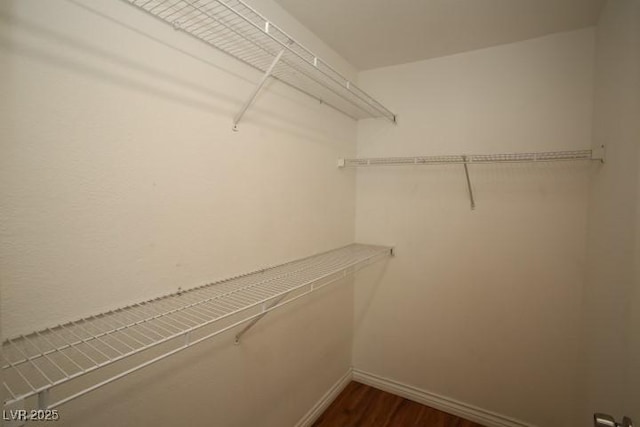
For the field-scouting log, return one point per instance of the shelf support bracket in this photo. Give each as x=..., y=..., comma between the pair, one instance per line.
x=255, y=92
x=465, y=161
x=43, y=400
x=257, y=319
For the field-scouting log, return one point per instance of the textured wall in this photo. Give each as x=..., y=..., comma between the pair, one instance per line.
x=611, y=378
x=121, y=180
x=481, y=306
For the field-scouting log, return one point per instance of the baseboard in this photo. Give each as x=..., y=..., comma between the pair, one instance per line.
x=454, y=407
x=324, y=402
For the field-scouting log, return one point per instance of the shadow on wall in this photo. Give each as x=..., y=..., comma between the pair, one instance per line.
x=223, y=103
x=213, y=381
x=108, y=57
x=368, y=281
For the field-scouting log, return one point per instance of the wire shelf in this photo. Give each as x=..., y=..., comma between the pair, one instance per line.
x=465, y=160
x=548, y=156
x=237, y=29
x=38, y=363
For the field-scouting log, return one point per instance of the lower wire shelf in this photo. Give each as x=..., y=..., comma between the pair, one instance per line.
x=100, y=349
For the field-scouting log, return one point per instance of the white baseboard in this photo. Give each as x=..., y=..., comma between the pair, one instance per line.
x=326, y=400
x=451, y=406
x=433, y=400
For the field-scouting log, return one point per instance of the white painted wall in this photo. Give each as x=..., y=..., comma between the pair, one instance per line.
x=121, y=180
x=611, y=382
x=480, y=306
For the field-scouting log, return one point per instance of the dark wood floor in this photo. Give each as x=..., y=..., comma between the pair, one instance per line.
x=363, y=406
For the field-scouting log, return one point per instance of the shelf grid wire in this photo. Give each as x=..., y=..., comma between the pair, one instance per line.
x=42, y=360
x=547, y=156
x=237, y=29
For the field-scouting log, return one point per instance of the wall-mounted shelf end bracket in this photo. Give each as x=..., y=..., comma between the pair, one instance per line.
x=255, y=92
x=599, y=153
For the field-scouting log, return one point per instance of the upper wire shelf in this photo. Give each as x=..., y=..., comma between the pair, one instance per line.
x=135, y=336
x=237, y=29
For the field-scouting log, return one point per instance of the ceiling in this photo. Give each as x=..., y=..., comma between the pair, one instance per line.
x=376, y=33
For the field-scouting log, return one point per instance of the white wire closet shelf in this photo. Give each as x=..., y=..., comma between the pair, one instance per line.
x=58, y=364
x=235, y=28
x=545, y=156
x=466, y=160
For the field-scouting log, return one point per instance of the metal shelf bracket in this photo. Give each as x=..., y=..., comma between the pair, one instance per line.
x=43, y=400
x=255, y=92
x=265, y=310
x=466, y=173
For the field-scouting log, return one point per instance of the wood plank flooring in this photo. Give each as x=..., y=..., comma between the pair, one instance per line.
x=363, y=406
